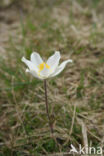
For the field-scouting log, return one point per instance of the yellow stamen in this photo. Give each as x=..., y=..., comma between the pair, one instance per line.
x=41, y=66
x=47, y=66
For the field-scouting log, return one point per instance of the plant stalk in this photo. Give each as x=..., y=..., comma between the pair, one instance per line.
x=47, y=107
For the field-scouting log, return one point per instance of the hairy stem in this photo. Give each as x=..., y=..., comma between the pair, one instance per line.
x=47, y=108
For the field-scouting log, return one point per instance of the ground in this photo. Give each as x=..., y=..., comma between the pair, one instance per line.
x=76, y=96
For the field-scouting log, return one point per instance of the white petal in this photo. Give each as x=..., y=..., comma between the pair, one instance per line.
x=60, y=68
x=45, y=72
x=27, y=70
x=28, y=63
x=53, y=61
x=34, y=74
x=36, y=59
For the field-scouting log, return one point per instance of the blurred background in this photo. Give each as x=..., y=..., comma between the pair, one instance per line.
x=76, y=96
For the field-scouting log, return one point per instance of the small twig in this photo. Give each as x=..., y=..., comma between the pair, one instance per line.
x=47, y=109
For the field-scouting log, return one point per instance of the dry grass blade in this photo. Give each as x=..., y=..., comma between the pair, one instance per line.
x=84, y=132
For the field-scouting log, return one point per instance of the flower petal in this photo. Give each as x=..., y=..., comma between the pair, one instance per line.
x=60, y=68
x=36, y=59
x=28, y=63
x=44, y=73
x=34, y=74
x=53, y=61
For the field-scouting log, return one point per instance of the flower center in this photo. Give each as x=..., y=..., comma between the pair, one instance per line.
x=42, y=65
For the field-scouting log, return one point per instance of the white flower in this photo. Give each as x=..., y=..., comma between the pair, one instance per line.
x=43, y=70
